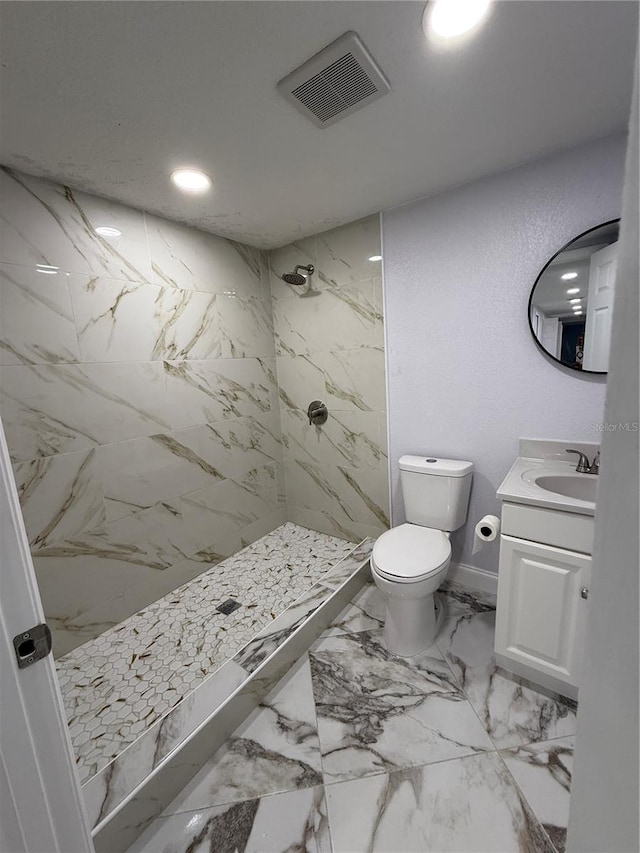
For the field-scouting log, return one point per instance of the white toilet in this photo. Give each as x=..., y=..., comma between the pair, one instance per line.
x=410, y=562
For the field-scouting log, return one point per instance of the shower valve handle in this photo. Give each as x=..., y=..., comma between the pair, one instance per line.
x=317, y=413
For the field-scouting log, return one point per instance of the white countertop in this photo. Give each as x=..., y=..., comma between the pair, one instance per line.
x=518, y=486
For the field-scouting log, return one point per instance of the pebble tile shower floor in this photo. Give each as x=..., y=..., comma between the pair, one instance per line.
x=356, y=751
x=116, y=686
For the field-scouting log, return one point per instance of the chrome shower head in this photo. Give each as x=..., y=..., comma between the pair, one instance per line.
x=295, y=277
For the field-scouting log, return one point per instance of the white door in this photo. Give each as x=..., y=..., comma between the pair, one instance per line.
x=41, y=806
x=597, y=333
x=540, y=619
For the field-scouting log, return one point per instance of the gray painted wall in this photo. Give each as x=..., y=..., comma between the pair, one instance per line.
x=465, y=378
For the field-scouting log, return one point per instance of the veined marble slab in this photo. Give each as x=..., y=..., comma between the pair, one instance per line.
x=36, y=321
x=465, y=805
x=512, y=710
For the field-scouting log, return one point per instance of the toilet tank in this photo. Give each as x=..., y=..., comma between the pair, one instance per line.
x=435, y=491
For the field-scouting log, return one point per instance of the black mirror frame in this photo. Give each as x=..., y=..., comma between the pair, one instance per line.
x=535, y=284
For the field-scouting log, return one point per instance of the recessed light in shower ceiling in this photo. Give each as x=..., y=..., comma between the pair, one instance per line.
x=108, y=231
x=191, y=180
x=451, y=18
x=375, y=258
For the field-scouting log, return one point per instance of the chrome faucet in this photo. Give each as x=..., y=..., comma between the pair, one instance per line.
x=583, y=466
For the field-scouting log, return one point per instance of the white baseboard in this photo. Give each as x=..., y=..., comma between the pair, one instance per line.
x=474, y=578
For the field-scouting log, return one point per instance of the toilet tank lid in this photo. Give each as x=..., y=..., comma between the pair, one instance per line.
x=433, y=465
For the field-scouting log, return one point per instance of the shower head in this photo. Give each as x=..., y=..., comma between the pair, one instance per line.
x=295, y=277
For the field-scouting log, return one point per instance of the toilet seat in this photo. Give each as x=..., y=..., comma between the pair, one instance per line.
x=409, y=553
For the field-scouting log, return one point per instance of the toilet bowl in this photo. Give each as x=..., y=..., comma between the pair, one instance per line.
x=408, y=564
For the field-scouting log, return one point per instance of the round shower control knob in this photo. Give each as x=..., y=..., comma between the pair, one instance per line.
x=584, y=592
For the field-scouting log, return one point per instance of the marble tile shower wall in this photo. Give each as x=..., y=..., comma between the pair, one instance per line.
x=330, y=347
x=138, y=394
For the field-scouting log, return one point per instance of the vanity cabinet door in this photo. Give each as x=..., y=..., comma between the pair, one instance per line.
x=541, y=612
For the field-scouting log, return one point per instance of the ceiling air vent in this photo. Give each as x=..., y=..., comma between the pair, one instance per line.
x=337, y=81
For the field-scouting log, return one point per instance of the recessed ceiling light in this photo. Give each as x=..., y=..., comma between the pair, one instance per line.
x=191, y=180
x=573, y=290
x=576, y=301
x=568, y=276
x=451, y=18
x=46, y=269
x=579, y=311
x=108, y=231
x=375, y=258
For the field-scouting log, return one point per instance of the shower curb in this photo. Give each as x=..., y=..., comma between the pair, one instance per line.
x=126, y=809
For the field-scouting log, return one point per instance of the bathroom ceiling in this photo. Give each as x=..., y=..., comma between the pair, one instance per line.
x=109, y=97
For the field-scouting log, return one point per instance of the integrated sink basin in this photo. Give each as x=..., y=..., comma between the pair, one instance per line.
x=580, y=486
x=543, y=476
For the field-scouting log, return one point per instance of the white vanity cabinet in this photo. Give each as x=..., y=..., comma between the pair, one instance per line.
x=543, y=589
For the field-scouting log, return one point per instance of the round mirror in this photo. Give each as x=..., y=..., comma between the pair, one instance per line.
x=572, y=299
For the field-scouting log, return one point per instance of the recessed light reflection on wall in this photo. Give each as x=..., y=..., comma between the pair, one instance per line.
x=568, y=276
x=448, y=19
x=108, y=231
x=190, y=180
x=46, y=269
x=375, y=258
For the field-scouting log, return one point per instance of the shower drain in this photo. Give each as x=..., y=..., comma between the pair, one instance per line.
x=228, y=606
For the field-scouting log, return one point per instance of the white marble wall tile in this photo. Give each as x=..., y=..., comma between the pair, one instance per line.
x=129, y=321
x=71, y=584
x=246, y=327
x=50, y=409
x=350, y=494
x=257, y=529
x=36, y=320
x=300, y=380
x=44, y=223
x=189, y=259
x=61, y=497
x=347, y=438
x=466, y=805
x=355, y=379
x=344, y=252
x=326, y=522
x=302, y=252
x=335, y=319
x=231, y=505
x=210, y=391
x=140, y=473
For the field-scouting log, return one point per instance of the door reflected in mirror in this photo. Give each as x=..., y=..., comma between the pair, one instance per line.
x=572, y=299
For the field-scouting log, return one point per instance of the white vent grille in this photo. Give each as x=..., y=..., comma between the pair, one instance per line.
x=336, y=82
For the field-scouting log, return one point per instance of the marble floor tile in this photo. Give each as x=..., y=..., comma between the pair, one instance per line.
x=377, y=712
x=543, y=772
x=364, y=613
x=282, y=823
x=276, y=749
x=469, y=805
x=512, y=711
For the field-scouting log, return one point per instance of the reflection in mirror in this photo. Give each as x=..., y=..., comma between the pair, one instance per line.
x=572, y=299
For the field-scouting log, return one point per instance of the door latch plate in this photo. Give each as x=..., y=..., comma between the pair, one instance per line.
x=32, y=645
